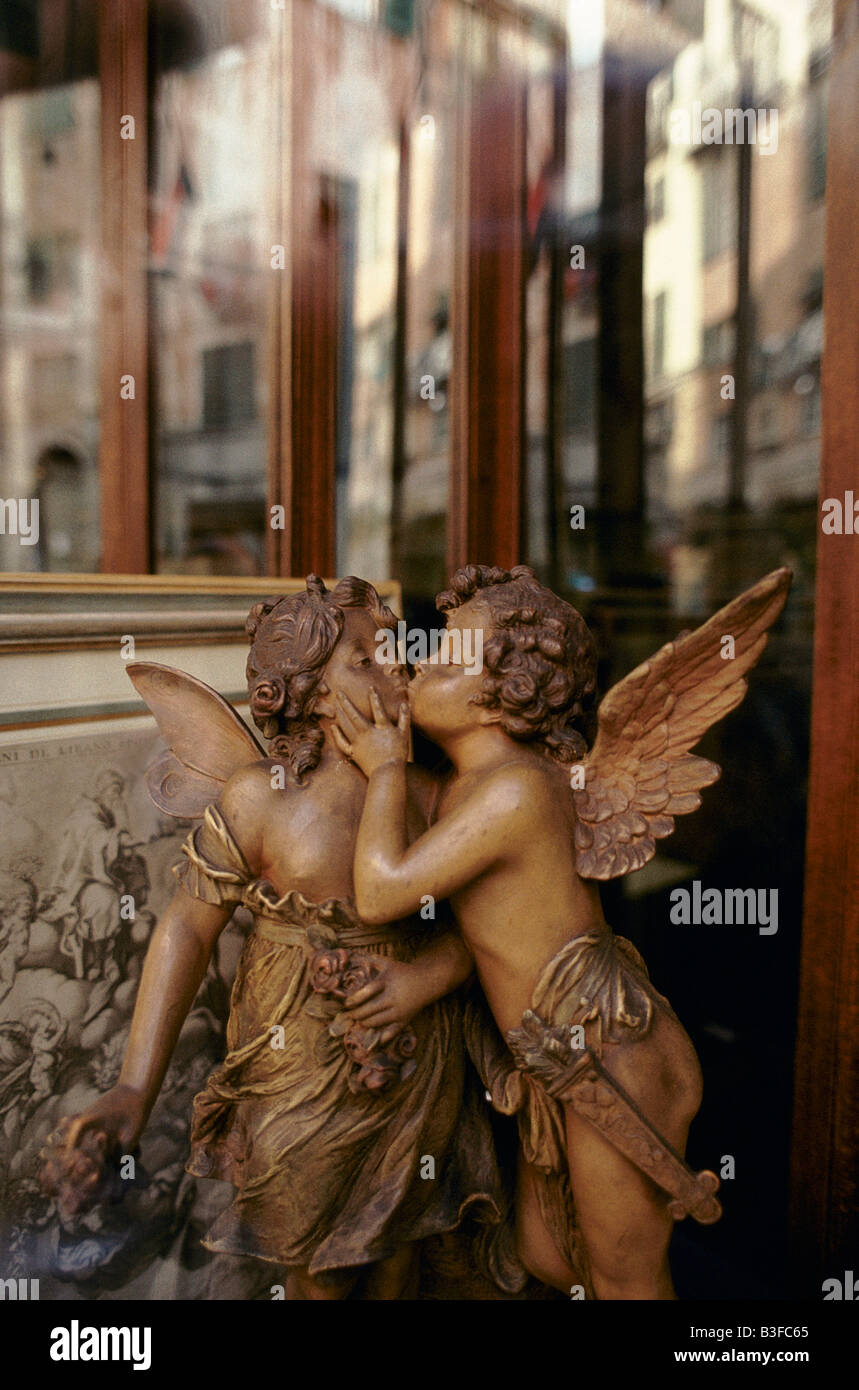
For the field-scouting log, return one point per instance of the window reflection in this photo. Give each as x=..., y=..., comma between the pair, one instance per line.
x=424, y=466
x=697, y=456
x=49, y=304
x=208, y=267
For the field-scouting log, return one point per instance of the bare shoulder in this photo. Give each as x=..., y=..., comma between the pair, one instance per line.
x=252, y=783
x=516, y=790
x=247, y=802
x=534, y=783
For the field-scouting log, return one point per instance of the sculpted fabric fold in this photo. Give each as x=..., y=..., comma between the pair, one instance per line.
x=327, y=1177
x=599, y=981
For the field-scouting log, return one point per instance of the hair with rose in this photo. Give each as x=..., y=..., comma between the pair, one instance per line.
x=540, y=661
x=291, y=641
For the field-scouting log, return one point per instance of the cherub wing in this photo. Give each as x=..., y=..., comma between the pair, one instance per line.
x=640, y=773
x=206, y=739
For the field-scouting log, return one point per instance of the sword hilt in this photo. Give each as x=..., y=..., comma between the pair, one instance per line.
x=701, y=1203
x=579, y=1079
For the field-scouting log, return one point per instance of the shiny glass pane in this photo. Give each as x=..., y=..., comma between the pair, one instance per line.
x=211, y=163
x=49, y=296
x=691, y=347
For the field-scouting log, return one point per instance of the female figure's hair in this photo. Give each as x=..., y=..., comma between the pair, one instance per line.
x=291, y=641
x=539, y=659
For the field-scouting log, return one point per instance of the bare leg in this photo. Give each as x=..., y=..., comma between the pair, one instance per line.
x=623, y=1218
x=536, y=1246
x=396, y=1278
x=623, y=1215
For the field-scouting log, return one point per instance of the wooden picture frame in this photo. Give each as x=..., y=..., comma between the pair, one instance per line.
x=65, y=639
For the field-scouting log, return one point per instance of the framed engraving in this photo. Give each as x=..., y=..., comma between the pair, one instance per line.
x=85, y=871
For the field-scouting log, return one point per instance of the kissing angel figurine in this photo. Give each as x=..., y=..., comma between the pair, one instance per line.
x=600, y=1073
x=322, y=1122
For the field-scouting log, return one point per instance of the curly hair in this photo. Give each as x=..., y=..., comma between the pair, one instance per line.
x=540, y=661
x=291, y=641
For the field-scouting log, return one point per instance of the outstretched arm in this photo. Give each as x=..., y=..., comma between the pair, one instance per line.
x=176, y=962
x=392, y=876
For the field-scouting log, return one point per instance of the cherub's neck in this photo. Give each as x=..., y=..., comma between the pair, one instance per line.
x=480, y=750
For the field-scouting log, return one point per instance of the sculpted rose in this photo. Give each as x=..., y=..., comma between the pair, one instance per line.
x=268, y=695
x=338, y=973
x=360, y=972
x=326, y=971
x=380, y=1073
x=404, y=1044
x=355, y=1046
x=75, y=1177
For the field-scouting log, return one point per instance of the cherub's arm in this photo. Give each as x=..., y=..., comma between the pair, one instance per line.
x=392, y=876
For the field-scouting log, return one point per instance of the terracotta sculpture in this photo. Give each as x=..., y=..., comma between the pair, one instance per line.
x=345, y=1066
x=322, y=1122
x=603, y=1078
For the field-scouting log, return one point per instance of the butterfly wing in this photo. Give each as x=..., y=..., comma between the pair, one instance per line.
x=207, y=740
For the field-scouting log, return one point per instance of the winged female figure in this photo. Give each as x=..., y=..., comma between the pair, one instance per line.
x=323, y=1123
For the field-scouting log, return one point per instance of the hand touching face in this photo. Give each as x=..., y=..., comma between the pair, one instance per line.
x=370, y=745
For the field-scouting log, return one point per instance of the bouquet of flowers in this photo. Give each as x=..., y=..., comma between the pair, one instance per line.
x=335, y=973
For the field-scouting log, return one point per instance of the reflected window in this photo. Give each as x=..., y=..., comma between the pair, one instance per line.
x=719, y=202
x=718, y=343
x=50, y=300
x=67, y=490
x=657, y=342
x=229, y=383
x=656, y=199
x=816, y=126
x=212, y=172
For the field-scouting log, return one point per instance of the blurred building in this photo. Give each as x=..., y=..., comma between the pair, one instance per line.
x=49, y=290
x=713, y=264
